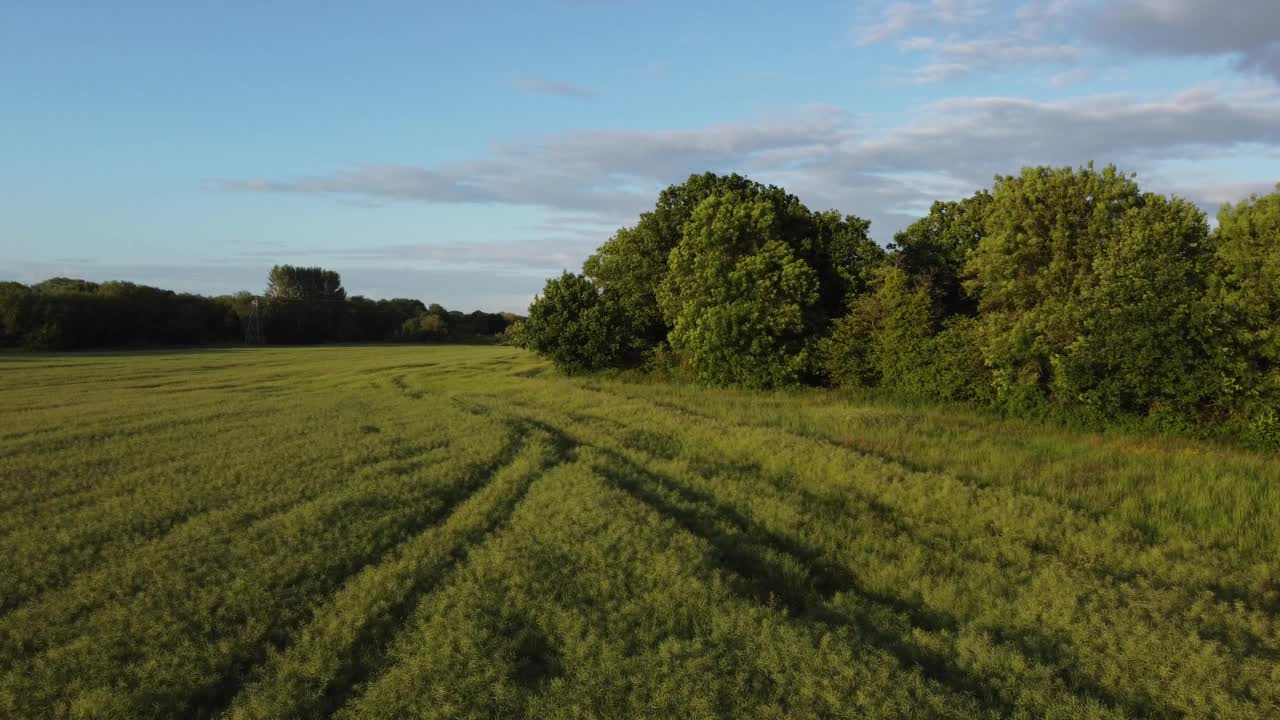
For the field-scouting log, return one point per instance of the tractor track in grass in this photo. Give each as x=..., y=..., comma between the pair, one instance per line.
x=758, y=559
x=123, y=533
x=359, y=621
x=243, y=513
x=1031, y=646
x=1225, y=593
x=227, y=675
x=474, y=533
x=100, y=595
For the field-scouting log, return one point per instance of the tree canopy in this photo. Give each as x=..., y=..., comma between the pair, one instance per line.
x=1063, y=290
x=300, y=305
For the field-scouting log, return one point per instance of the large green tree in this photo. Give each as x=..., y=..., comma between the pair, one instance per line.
x=743, y=306
x=1142, y=344
x=1043, y=230
x=633, y=264
x=1092, y=293
x=304, y=304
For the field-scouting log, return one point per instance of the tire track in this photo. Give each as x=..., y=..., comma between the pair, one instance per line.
x=819, y=580
x=62, y=652
x=347, y=639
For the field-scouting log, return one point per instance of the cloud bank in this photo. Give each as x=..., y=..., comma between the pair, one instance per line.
x=820, y=153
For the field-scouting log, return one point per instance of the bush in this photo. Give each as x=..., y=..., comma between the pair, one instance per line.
x=576, y=326
x=955, y=369
x=428, y=326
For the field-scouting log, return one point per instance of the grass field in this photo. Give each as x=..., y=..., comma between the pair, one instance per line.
x=398, y=532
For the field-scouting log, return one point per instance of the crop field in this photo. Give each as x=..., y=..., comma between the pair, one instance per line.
x=458, y=531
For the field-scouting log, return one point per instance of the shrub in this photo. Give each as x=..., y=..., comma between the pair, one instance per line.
x=576, y=325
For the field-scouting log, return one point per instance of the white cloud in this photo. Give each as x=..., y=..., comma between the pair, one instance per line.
x=820, y=154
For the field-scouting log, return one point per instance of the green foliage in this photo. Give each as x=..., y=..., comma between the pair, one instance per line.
x=377, y=320
x=64, y=285
x=68, y=314
x=880, y=341
x=452, y=531
x=841, y=250
x=427, y=326
x=954, y=364
x=905, y=310
x=892, y=338
x=576, y=326
x=936, y=248
x=303, y=305
x=515, y=334
x=1092, y=296
x=1063, y=291
x=847, y=355
x=286, y=283
x=1044, y=229
x=1140, y=317
x=632, y=266
x=1247, y=293
x=742, y=306
x=16, y=303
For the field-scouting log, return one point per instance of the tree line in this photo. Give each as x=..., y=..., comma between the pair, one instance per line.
x=301, y=305
x=1058, y=291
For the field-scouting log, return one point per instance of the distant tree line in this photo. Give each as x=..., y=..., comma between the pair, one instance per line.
x=301, y=305
x=1063, y=291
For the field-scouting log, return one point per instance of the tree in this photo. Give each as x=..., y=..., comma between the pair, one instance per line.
x=895, y=337
x=1044, y=229
x=304, y=304
x=845, y=257
x=937, y=247
x=633, y=264
x=427, y=326
x=1246, y=289
x=741, y=305
x=16, y=306
x=576, y=325
x=64, y=285
x=515, y=334
x=304, y=284
x=1092, y=295
x=1141, y=345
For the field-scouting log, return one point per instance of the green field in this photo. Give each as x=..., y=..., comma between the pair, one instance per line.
x=454, y=531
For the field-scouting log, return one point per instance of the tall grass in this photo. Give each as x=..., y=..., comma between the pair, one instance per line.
x=460, y=532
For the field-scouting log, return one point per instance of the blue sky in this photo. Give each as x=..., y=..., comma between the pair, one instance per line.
x=462, y=152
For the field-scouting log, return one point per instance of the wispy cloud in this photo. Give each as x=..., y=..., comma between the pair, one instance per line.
x=821, y=154
x=953, y=38
x=552, y=88
x=956, y=58
x=900, y=16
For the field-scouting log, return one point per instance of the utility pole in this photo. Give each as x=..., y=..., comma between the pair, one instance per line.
x=253, y=329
